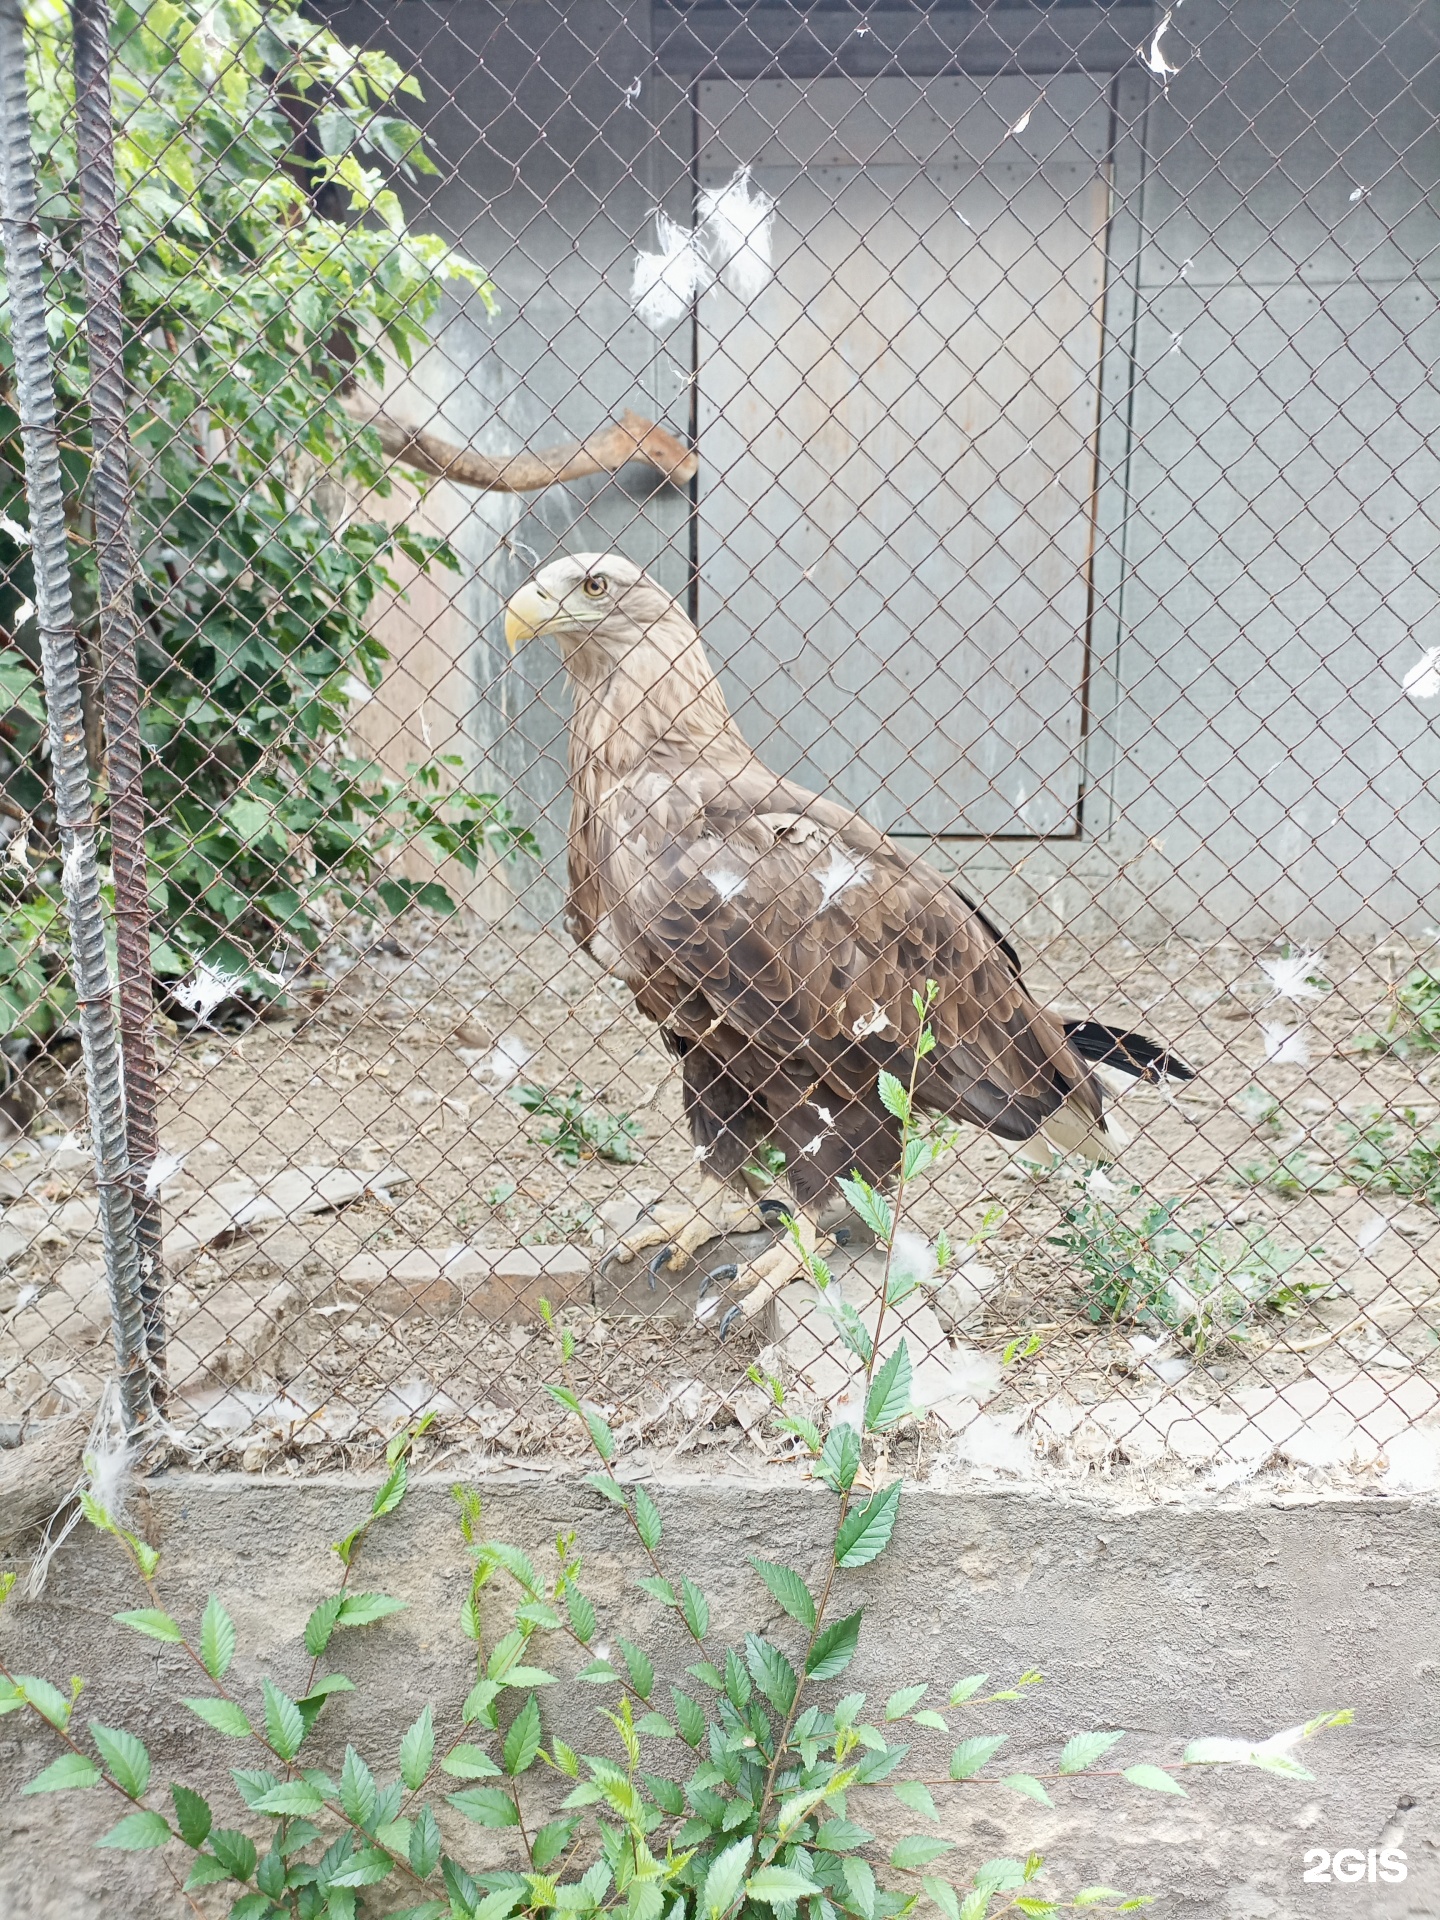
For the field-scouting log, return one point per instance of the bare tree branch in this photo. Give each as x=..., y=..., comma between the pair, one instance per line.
x=632, y=437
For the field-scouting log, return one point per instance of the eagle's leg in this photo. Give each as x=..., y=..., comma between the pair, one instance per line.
x=759, y=1280
x=717, y=1210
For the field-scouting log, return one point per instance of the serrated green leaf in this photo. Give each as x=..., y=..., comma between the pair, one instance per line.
x=235, y=1851
x=1085, y=1749
x=723, y=1879
x=639, y=1666
x=648, y=1523
x=840, y=1458
x=582, y=1614
x=834, y=1647
x=70, y=1771
x=327, y=1684
x=284, y=1727
x=47, y=1700
x=137, y=1832
x=192, y=1814
x=666, y=1794
x=486, y=1806
x=1155, y=1779
x=872, y=1207
x=469, y=1762
x=291, y=1796
x=694, y=1608
x=565, y=1397
x=657, y=1589
x=801, y=1805
x=835, y=1836
x=656, y=1725
x=1092, y=1896
x=611, y=1488
x=321, y=1624
x=364, y=1609
x=124, y=1756
x=253, y=1783
x=153, y=1622
x=888, y=1400
x=423, y=1850
x=601, y=1437
x=776, y=1885
x=689, y=1717
x=893, y=1095
x=1029, y=1786
x=967, y=1688
x=999, y=1876
x=788, y=1589
x=552, y=1840
x=366, y=1867
x=944, y=1896
x=917, y=1851
x=206, y=1871
x=971, y=1755
x=859, y=1878
x=223, y=1715
x=772, y=1672
x=522, y=1741
x=899, y=1704
x=917, y=1796
x=417, y=1750
x=388, y=1496
x=865, y=1532
x=217, y=1639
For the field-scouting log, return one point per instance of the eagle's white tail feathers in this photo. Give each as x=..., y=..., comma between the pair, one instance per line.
x=1073, y=1130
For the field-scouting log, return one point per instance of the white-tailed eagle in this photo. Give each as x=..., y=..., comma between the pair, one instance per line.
x=777, y=939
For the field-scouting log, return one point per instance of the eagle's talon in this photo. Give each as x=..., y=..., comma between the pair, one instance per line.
x=773, y=1212
x=728, y=1271
x=728, y=1319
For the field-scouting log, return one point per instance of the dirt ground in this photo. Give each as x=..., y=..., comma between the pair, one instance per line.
x=301, y=1334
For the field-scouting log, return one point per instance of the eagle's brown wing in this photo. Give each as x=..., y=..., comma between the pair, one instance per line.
x=737, y=898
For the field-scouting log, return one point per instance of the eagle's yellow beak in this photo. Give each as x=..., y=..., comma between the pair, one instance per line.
x=527, y=613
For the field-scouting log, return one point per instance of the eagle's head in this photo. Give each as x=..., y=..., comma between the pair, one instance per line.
x=600, y=607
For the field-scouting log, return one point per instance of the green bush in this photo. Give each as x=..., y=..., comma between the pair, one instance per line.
x=738, y=1790
x=266, y=264
x=1205, y=1281
x=1413, y=1025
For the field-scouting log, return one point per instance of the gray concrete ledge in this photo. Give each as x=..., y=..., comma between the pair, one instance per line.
x=1172, y=1622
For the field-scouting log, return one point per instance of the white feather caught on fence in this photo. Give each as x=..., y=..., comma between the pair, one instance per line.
x=735, y=229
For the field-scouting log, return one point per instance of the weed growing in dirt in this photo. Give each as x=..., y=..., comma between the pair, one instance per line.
x=581, y=1129
x=1403, y=1159
x=1413, y=1024
x=742, y=1794
x=1205, y=1281
x=1292, y=1175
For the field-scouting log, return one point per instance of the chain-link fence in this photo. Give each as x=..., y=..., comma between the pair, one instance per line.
x=1031, y=407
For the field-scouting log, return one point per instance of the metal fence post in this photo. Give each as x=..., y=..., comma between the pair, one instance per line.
x=115, y=556
x=70, y=767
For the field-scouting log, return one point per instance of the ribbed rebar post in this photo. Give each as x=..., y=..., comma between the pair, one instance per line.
x=60, y=667
x=119, y=634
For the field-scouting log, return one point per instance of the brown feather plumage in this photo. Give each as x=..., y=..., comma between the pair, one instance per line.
x=776, y=937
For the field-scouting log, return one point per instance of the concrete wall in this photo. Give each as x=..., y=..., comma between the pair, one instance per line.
x=1264, y=567
x=1170, y=1621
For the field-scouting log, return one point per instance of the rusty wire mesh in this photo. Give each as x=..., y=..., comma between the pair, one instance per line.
x=1061, y=380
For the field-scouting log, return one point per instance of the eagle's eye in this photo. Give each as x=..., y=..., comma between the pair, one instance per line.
x=594, y=585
